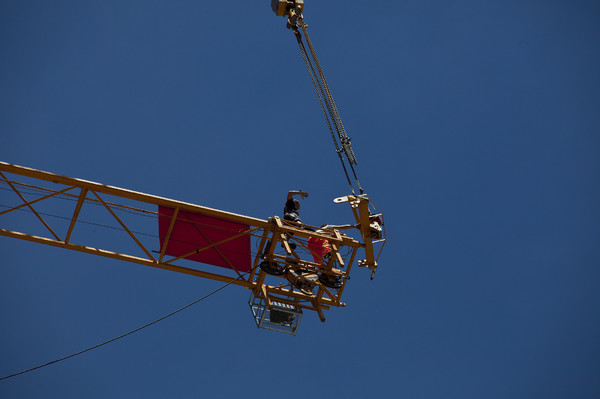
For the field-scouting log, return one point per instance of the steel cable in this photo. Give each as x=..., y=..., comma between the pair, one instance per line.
x=329, y=102
x=122, y=335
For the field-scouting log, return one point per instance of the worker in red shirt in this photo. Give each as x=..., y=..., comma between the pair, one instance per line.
x=320, y=248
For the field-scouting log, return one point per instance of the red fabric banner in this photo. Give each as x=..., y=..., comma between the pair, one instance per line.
x=194, y=231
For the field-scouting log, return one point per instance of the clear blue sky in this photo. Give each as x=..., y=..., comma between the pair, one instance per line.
x=475, y=125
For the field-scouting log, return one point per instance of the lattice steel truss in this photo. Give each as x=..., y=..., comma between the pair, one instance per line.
x=284, y=271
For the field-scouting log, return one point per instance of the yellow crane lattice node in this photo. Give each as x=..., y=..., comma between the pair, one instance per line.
x=280, y=262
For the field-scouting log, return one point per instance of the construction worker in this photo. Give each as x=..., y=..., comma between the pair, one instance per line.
x=321, y=248
x=291, y=209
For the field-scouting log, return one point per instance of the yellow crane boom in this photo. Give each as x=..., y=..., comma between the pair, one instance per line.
x=285, y=272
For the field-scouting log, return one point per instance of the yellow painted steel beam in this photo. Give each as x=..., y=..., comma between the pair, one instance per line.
x=156, y=200
x=152, y=199
x=80, y=202
x=168, y=237
x=129, y=194
x=120, y=256
x=363, y=211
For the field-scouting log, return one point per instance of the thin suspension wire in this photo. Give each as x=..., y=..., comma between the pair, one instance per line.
x=123, y=335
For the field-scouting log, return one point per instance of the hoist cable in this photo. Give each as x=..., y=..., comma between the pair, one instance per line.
x=336, y=115
x=317, y=85
x=345, y=140
x=126, y=334
x=338, y=120
x=319, y=81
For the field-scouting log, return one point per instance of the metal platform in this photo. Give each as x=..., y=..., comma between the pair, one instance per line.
x=282, y=317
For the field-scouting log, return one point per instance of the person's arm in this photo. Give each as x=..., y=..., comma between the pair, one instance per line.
x=301, y=193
